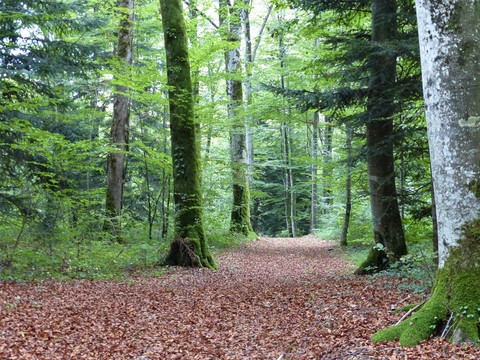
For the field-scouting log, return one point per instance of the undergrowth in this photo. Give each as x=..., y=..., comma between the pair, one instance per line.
x=416, y=270
x=102, y=259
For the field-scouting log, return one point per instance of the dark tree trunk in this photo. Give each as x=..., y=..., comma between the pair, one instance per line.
x=387, y=223
x=117, y=160
x=348, y=186
x=189, y=247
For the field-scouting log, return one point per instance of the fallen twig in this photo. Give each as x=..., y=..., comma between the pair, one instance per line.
x=409, y=312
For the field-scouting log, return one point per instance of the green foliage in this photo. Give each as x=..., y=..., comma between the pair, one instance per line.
x=58, y=77
x=76, y=252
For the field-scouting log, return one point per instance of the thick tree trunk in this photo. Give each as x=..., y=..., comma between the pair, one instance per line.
x=348, y=186
x=448, y=32
x=240, y=214
x=117, y=160
x=189, y=247
x=387, y=224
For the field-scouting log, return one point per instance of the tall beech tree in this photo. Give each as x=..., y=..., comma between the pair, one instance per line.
x=449, y=52
x=386, y=221
x=230, y=18
x=117, y=160
x=189, y=247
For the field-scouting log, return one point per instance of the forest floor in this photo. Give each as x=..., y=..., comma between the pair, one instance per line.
x=271, y=299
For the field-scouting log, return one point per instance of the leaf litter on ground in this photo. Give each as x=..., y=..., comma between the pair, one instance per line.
x=275, y=298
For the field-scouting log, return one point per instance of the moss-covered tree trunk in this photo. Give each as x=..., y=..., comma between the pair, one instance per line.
x=117, y=160
x=240, y=214
x=189, y=247
x=448, y=32
x=387, y=224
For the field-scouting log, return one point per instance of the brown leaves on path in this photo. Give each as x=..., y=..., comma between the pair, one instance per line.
x=272, y=299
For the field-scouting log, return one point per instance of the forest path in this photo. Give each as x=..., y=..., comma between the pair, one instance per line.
x=270, y=299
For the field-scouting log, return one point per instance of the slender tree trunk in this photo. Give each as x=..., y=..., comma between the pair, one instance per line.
x=240, y=214
x=117, y=160
x=348, y=186
x=189, y=247
x=449, y=49
x=327, y=165
x=248, y=92
x=250, y=55
x=290, y=206
x=387, y=224
x=314, y=174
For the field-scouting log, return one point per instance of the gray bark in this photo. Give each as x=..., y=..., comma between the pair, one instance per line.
x=327, y=165
x=449, y=51
x=230, y=16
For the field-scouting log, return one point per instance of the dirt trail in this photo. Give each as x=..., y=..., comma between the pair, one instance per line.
x=272, y=299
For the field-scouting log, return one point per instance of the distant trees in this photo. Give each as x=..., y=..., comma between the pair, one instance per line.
x=40, y=112
x=63, y=69
x=375, y=91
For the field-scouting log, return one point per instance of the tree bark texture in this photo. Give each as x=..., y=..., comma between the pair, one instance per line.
x=448, y=32
x=189, y=247
x=119, y=132
x=387, y=224
x=327, y=165
x=248, y=93
x=240, y=214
